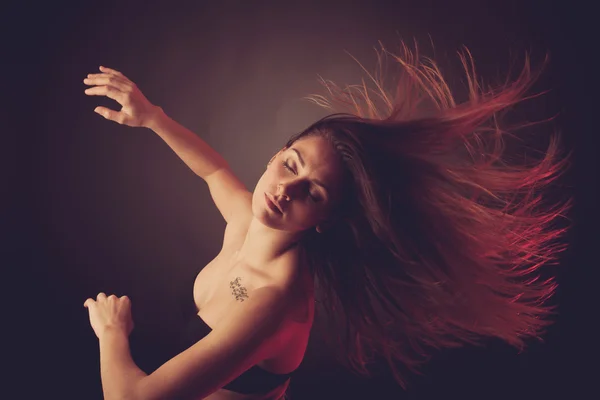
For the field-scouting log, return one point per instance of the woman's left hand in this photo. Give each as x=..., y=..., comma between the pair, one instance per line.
x=109, y=312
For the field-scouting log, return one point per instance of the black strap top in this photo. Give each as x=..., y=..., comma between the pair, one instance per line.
x=254, y=381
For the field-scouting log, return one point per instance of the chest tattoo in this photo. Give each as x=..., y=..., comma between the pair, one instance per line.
x=238, y=291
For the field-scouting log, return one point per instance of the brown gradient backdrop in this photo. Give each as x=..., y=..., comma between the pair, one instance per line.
x=111, y=208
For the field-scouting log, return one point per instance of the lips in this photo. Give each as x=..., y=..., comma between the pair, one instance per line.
x=272, y=204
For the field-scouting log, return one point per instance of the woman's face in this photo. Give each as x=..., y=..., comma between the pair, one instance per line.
x=305, y=180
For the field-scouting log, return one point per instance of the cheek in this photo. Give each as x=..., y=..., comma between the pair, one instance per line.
x=304, y=216
x=267, y=179
x=272, y=174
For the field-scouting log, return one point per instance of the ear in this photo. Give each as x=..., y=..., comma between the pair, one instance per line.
x=323, y=226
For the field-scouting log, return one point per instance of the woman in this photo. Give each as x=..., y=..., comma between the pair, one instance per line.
x=403, y=215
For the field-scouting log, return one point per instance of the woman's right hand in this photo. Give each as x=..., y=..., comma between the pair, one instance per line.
x=136, y=110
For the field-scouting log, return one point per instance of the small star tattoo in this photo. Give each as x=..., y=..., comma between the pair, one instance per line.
x=238, y=290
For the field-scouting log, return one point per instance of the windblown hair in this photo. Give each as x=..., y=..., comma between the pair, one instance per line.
x=439, y=239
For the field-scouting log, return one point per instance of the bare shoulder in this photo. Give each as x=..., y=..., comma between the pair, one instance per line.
x=294, y=280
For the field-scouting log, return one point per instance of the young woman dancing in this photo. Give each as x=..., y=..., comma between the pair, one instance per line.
x=405, y=216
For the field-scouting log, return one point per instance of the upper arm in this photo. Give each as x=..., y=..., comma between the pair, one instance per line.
x=230, y=195
x=243, y=338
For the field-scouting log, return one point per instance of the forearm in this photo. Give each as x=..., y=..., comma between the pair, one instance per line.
x=193, y=151
x=119, y=374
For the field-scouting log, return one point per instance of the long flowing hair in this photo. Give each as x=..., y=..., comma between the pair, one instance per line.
x=442, y=233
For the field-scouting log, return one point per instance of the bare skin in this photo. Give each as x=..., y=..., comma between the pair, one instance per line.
x=262, y=250
x=213, y=297
x=295, y=194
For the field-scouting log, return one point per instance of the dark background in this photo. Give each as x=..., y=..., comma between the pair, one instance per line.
x=92, y=206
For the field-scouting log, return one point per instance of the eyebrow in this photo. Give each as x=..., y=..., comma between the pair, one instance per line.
x=318, y=182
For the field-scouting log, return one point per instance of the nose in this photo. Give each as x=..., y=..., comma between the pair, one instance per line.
x=290, y=189
x=283, y=192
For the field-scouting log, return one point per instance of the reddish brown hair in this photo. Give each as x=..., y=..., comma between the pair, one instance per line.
x=442, y=233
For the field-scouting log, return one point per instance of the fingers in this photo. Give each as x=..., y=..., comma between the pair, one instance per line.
x=113, y=88
x=102, y=296
x=109, y=92
x=111, y=71
x=111, y=115
x=108, y=80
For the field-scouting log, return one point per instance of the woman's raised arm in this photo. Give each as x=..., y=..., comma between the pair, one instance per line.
x=137, y=111
x=229, y=194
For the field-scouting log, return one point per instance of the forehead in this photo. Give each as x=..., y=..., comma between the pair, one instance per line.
x=316, y=151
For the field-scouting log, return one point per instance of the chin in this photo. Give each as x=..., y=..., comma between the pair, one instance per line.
x=269, y=220
x=265, y=216
x=262, y=213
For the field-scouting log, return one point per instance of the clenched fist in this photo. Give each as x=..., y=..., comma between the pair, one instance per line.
x=136, y=110
x=110, y=312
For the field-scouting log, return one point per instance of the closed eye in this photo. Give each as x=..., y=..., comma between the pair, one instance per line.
x=287, y=166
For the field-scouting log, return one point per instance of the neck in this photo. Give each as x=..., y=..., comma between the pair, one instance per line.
x=263, y=245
